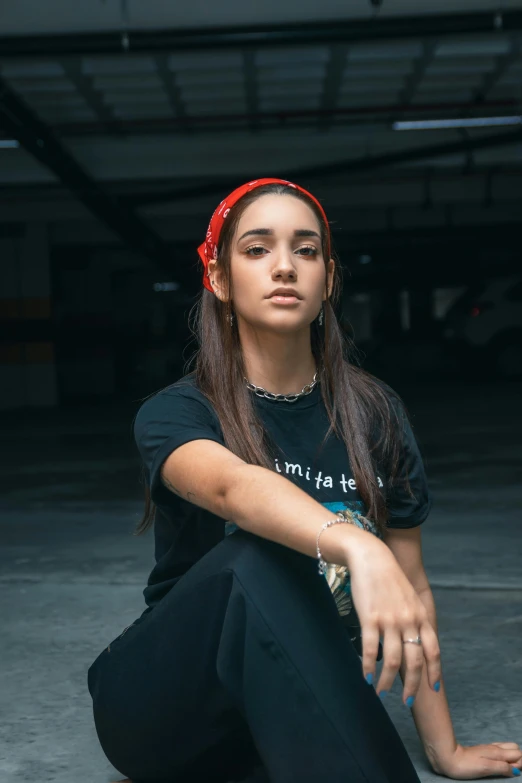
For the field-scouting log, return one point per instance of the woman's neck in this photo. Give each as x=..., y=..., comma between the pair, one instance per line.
x=281, y=366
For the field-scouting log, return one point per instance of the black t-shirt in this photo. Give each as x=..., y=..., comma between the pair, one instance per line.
x=184, y=532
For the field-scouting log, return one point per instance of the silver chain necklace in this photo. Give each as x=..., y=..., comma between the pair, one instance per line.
x=282, y=397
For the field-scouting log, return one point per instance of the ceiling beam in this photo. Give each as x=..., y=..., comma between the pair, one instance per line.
x=332, y=84
x=173, y=91
x=503, y=63
x=415, y=78
x=345, y=167
x=225, y=122
x=84, y=86
x=39, y=140
x=413, y=81
x=256, y=36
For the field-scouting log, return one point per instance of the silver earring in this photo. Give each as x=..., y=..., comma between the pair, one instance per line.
x=231, y=319
x=321, y=317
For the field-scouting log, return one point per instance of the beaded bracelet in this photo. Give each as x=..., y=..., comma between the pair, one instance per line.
x=337, y=521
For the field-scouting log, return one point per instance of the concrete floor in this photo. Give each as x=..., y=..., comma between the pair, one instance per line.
x=72, y=574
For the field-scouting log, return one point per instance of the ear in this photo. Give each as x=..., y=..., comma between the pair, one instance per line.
x=216, y=280
x=330, y=272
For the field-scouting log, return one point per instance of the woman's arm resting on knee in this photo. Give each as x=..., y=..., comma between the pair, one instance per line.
x=269, y=505
x=256, y=499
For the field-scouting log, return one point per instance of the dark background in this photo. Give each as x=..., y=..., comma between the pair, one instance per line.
x=122, y=125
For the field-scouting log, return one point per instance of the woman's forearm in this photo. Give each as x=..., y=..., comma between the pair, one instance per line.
x=271, y=506
x=430, y=710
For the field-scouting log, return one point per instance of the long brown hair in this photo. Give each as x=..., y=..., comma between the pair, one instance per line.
x=359, y=406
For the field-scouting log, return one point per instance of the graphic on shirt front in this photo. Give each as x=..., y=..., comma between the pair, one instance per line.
x=338, y=576
x=320, y=480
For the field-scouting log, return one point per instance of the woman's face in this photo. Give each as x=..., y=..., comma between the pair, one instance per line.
x=277, y=244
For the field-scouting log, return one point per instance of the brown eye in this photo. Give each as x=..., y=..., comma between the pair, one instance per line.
x=254, y=247
x=313, y=250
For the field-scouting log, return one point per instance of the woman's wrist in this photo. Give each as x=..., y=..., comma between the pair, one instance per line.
x=363, y=546
x=439, y=757
x=338, y=520
x=344, y=543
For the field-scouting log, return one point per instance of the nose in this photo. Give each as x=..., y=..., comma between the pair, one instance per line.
x=285, y=266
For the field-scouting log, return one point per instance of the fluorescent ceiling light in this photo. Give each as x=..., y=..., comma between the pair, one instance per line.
x=8, y=144
x=465, y=122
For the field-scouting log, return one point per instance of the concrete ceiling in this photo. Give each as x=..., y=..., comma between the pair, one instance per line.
x=61, y=16
x=143, y=124
x=366, y=81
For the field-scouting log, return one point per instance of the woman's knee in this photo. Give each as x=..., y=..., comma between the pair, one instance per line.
x=272, y=573
x=250, y=555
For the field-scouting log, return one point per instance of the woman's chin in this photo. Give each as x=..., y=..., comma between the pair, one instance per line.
x=285, y=322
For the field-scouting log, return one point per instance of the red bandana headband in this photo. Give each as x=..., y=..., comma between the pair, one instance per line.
x=207, y=251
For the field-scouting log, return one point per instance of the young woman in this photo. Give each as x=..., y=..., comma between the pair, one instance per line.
x=246, y=663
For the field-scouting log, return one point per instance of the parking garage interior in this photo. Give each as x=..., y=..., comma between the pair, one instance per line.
x=122, y=125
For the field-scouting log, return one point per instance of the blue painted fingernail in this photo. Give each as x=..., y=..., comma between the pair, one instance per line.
x=382, y=694
x=409, y=701
x=369, y=678
x=516, y=772
x=437, y=686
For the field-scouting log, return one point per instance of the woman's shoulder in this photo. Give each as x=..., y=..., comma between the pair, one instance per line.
x=182, y=395
x=183, y=387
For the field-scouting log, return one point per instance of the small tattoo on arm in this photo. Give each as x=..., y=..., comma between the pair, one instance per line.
x=174, y=489
x=171, y=486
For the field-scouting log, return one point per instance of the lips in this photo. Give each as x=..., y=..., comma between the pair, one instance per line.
x=284, y=300
x=289, y=293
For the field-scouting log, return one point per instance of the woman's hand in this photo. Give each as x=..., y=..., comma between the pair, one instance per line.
x=388, y=606
x=480, y=761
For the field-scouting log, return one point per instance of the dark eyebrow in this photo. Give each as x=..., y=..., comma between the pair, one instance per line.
x=299, y=232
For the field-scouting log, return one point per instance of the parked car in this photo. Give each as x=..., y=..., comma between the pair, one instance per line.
x=483, y=327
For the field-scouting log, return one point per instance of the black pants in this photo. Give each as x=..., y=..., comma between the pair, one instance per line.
x=243, y=663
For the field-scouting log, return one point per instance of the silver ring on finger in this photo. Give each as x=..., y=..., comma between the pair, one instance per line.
x=412, y=641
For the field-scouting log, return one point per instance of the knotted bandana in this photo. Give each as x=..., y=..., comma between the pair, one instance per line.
x=207, y=251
